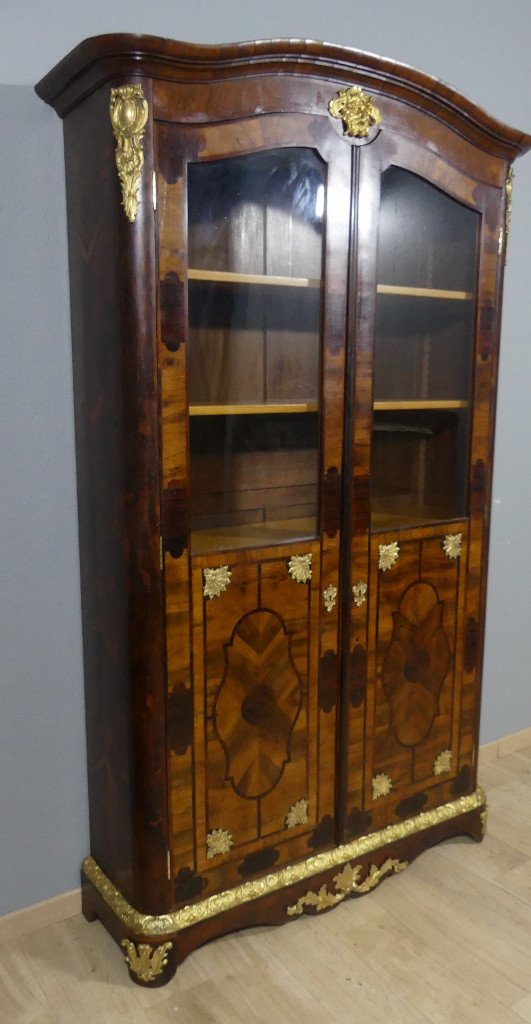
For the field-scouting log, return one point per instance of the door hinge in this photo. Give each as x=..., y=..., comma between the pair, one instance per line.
x=169, y=866
x=154, y=189
x=500, y=242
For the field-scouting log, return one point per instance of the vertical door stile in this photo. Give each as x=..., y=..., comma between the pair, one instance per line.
x=335, y=481
x=356, y=646
x=488, y=315
x=175, y=531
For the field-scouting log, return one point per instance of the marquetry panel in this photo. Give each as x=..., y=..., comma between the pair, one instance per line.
x=256, y=649
x=414, y=705
x=257, y=703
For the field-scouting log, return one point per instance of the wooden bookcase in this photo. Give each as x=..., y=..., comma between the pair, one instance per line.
x=286, y=263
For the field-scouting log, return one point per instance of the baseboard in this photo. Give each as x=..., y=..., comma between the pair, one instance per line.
x=68, y=904
x=39, y=915
x=505, y=745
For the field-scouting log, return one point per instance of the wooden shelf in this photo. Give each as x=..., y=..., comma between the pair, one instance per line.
x=262, y=409
x=423, y=403
x=228, y=538
x=408, y=518
x=279, y=281
x=267, y=408
x=423, y=293
x=228, y=277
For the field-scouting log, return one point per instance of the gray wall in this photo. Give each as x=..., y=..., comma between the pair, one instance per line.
x=482, y=49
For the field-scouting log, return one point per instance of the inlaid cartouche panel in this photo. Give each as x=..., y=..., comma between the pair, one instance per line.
x=257, y=704
x=256, y=655
x=416, y=663
x=413, y=709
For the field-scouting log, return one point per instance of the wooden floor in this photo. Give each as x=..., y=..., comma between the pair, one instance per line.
x=449, y=940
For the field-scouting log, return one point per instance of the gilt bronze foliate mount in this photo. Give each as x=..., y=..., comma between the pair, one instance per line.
x=355, y=108
x=128, y=111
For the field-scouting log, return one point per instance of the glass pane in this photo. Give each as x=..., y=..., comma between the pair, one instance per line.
x=255, y=273
x=425, y=311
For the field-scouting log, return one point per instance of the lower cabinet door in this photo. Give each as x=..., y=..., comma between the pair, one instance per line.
x=263, y=777
x=414, y=743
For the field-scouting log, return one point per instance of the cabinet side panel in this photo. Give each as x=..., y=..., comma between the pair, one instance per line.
x=92, y=234
x=116, y=416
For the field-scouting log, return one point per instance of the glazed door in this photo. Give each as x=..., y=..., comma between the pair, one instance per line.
x=428, y=236
x=253, y=241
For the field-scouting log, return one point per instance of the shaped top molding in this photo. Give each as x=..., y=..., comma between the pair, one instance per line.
x=115, y=58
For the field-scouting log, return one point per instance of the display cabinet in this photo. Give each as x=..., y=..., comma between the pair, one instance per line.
x=286, y=262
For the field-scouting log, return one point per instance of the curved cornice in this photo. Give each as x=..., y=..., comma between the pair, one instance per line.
x=101, y=58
